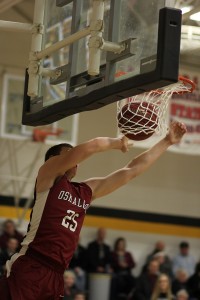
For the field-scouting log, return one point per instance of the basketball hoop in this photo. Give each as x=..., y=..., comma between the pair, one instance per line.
x=40, y=134
x=183, y=86
x=145, y=114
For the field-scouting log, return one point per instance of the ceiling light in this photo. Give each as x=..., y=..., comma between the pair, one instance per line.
x=186, y=9
x=195, y=17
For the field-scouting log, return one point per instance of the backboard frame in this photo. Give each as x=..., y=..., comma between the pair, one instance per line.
x=97, y=93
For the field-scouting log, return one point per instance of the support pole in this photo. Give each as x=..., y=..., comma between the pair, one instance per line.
x=95, y=41
x=113, y=47
x=69, y=40
x=45, y=72
x=15, y=26
x=36, y=45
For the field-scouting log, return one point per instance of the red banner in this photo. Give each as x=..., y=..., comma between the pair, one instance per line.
x=186, y=108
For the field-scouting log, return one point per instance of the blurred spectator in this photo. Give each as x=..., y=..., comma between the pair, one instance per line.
x=146, y=282
x=6, y=253
x=9, y=231
x=69, y=285
x=194, y=284
x=79, y=296
x=98, y=254
x=122, y=264
x=184, y=260
x=165, y=265
x=182, y=295
x=78, y=265
x=159, y=248
x=180, y=281
x=79, y=258
x=162, y=290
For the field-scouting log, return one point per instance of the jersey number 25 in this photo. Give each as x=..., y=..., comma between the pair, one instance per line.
x=69, y=220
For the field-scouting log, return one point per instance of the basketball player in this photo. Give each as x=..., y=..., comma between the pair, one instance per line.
x=36, y=272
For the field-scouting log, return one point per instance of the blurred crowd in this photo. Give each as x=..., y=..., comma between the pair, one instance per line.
x=161, y=277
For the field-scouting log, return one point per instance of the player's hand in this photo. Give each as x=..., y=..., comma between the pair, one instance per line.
x=176, y=132
x=126, y=144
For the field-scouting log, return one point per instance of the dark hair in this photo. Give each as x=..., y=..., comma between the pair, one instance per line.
x=55, y=150
x=184, y=245
x=117, y=241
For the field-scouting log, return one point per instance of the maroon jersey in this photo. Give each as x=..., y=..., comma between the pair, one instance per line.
x=56, y=221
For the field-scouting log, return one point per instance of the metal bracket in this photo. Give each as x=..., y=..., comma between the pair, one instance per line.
x=95, y=42
x=61, y=3
x=34, y=67
x=33, y=56
x=84, y=79
x=37, y=28
x=115, y=57
x=51, y=73
x=63, y=75
x=113, y=47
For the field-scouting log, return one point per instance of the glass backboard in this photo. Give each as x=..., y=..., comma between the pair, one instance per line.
x=149, y=35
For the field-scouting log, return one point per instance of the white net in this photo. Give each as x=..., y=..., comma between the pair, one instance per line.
x=142, y=115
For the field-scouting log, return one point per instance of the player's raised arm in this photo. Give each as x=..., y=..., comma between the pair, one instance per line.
x=72, y=156
x=106, y=185
x=69, y=157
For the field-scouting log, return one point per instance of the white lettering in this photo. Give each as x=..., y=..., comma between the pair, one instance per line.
x=65, y=195
x=70, y=198
x=85, y=206
x=79, y=200
x=61, y=194
x=74, y=202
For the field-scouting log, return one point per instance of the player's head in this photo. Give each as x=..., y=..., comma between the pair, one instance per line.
x=55, y=150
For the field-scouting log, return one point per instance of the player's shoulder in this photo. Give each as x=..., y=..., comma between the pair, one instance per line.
x=81, y=185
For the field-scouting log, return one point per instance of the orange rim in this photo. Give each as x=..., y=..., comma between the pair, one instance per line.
x=188, y=82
